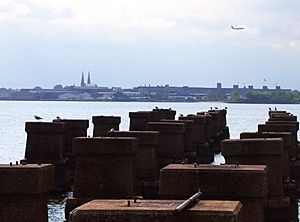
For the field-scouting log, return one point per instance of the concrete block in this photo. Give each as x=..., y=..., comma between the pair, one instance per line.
x=74, y=128
x=146, y=157
x=26, y=179
x=157, y=210
x=171, y=138
x=165, y=113
x=282, y=128
x=103, y=124
x=261, y=151
x=188, y=136
x=200, y=131
x=45, y=141
x=296, y=123
x=182, y=180
x=139, y=120
x=286, y=137
x=23, y=192
x=105, y=167
x=246, y=183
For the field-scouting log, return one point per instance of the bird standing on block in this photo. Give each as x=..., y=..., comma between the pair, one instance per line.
x=37, y=117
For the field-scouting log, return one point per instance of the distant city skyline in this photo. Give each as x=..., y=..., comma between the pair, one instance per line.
x=159, y=42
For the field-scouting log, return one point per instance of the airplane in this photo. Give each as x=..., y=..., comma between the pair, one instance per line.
x=237, y=28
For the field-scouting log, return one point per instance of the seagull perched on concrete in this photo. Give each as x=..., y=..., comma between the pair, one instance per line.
x=37, y=117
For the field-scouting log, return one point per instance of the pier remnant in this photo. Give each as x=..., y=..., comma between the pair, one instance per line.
x=157, y=210
x=23, y=192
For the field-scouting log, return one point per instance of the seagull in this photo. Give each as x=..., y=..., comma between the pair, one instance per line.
x=270, y=108
x=58, y=118
x=112, y=130
x=210, y=107
x=275, y=108
x=226, y=107
x=37, y=117
x=156, y=107
x=216, y=107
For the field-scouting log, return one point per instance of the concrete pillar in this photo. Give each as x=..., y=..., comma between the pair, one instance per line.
x=248, y=184
x=23, y=192
x=166, y=113
x=189, y=146
x=98, y=161
x=139, y=120
x=103, y=124
x=201, y=137
x=158, y=210
x=282, y=117
x=286, y=137
x=105, y=168
x=283, y=128
x=258, y=151
x=263, y=151
x=146, y=157
x=74, y=128
x=170, y=141
x=46, y=143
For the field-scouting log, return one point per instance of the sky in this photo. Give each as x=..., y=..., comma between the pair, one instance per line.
x=158, y=42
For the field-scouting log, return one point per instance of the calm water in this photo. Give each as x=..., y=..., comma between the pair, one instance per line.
x=13, y=115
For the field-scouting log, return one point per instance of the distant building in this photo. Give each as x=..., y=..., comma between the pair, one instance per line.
x=82, y=84
x=89, y=82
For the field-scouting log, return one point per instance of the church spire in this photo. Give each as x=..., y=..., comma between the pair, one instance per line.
x=82, y=80
x=89, y=78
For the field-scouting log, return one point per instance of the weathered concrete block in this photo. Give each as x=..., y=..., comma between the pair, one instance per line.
x=296, y=123
x=258, y=151
x=45, y=141
x=271, y=112
x=166, y=113
x=157, y=210
x=246, y=183
x=188, y=136
x=146, y=157
x=182, y=180
x=200, y=131
x=103, y=124
x=74, y=128
x=23, y=192
x=277, y=210
x=139, y=120
x=290, y=190
x=282, y=117
x=286, y=137
x=26, y=179
x=171, y=138
x=105, y=167
x=282, y=128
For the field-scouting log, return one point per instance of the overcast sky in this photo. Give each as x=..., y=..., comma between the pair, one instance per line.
x=137, y=42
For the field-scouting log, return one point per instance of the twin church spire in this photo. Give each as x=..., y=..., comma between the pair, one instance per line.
x=82, y=84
